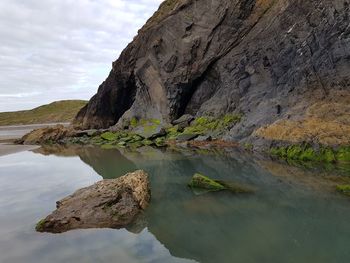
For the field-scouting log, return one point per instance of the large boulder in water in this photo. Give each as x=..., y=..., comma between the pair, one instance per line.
x=110, y=203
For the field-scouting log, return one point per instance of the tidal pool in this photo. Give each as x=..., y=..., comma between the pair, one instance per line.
x=294, y=216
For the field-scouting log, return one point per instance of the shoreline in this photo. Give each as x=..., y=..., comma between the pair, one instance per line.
x=9, y=134
x=7, y=148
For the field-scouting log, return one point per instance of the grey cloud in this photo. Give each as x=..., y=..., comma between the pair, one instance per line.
x=62, y=49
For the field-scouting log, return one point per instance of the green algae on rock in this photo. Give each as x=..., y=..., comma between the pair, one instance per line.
x=307, y=153
x=40, y=225
x=210, y=125
x=344, y=189
x=202, y=182
x=109, y=136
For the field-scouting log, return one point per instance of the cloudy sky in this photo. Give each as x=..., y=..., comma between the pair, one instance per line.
x=62, y=49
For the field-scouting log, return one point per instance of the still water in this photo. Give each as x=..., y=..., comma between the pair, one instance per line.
x=294, y=216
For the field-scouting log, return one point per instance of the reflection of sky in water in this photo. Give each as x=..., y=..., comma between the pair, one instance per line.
x=284, y=221
x=30, y=184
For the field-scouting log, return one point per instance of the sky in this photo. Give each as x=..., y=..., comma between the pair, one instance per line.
x=62, y=49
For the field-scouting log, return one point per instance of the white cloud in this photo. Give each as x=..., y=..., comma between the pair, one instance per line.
x=62, y=49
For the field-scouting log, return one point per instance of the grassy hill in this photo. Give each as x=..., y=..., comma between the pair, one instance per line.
x=58, y=111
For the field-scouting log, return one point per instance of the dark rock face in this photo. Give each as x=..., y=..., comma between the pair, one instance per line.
x=261, y=58
x=110, y=203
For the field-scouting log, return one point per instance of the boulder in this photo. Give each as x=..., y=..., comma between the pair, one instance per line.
x=204, y=182
x=110, y=203
x=47, y=135
x=150, y=132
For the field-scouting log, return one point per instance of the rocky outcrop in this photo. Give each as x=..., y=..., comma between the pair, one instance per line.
x=268, y=60
x=47, y=135
x=110, y=203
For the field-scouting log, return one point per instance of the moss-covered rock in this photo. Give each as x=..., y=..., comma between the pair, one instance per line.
x=344, y=189
x=147, y=142
x=204, y=182
x=109, y=136
x=343, y=154
x=149, y=129
x=160, y=141
x=40, y=225
x=200, y=181
x=307, y=153
x=212, y=125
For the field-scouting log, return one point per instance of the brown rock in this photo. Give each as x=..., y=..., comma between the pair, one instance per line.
x=48, y=134
x=110, y=203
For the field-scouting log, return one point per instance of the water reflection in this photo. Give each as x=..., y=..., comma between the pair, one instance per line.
x=295, y=216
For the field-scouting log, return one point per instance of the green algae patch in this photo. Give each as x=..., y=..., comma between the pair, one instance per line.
x=109, y=136
x=147, y=142
x=343, y=154
x=173, y=132
x=160, y=141
x=208, y=125
x=307, y=153
x=204, y=182
x=344, y=189
x=133, y=122
x=40, y=225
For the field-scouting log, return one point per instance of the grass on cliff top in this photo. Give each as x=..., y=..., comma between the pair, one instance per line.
x=58, y=111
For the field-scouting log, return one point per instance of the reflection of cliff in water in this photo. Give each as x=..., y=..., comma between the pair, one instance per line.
x=107, y=163
x=285, y=219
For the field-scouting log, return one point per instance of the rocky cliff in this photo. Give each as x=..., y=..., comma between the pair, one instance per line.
x=276, y=62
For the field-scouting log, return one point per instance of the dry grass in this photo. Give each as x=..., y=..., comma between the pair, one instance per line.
x=326, y=122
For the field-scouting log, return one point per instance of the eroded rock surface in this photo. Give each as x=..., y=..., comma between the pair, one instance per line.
x=266, y=59
x=110, y=203
x=47, y=135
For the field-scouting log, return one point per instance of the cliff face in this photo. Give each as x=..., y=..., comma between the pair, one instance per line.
x=269, y=60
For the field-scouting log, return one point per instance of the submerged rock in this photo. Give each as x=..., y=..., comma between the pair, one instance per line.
x=200, y=181
x=110, y=203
